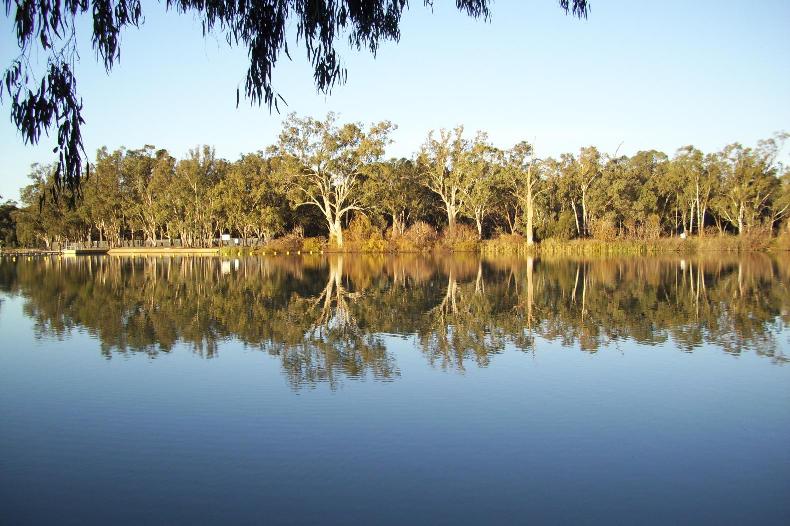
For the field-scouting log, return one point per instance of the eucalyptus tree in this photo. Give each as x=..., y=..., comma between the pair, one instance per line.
x=781, y=199
x=654, y=199
x=573, y=177
x=394, y=189
x=479, y=164
x=524, y=182
x=692, y=188
x=249, y=200
x=267, y=213
x=587, y=172
x=325, y=164
x=231, y=201
x=561, y=196
x=103, y=203
x=144, y=173
x=40, y=220
x=191, y=196
x=749, y=182
x=8, y=213
x=614, y=196
x=438, y=160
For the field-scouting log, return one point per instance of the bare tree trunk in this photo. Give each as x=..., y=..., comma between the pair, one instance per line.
x=336, y=233
x=585, y=226
x=576, y=218
x=530, y=214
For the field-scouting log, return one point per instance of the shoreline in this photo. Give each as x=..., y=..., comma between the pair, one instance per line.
x=505, y=246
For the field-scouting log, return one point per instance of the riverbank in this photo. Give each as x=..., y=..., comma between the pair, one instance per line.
x=163, y=251
x=515, y=244
x=722, y=243
x=502, y=245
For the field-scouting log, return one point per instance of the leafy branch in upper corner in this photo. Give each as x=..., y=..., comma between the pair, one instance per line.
x=49, y=29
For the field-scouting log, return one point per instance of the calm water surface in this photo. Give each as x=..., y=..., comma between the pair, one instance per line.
x=383, y=390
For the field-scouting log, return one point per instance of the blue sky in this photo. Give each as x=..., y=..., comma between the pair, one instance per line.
x=649, y=75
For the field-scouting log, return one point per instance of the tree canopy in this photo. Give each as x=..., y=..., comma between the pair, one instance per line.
x=45, y=96
x=331, y=180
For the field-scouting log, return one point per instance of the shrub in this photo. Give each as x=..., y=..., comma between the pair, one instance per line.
x=291, y=242
x=419, y=237
x=506, y=244
x=363, y=236
x=313, y=244
x=564, y=228
x=603, y=229
x=783, y=240
x=460, y=238
x=360, y=229
x=651, y=228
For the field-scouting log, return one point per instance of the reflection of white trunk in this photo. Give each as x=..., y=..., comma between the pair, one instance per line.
x=530, y=292
x=334, y=312
x=584, y=293
x=449, y=304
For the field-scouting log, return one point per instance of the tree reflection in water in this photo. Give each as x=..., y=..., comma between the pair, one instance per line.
x=326, y=318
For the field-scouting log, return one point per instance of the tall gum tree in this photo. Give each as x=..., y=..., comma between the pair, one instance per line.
x=521, y=172
x=325, y=164
x=749, y=182
x=394, y=189
x=438, y=160
x=479, y=164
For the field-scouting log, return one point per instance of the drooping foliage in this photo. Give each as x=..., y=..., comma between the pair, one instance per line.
x=46, y=97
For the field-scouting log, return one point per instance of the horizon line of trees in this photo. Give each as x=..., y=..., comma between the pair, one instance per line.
x=321, y=174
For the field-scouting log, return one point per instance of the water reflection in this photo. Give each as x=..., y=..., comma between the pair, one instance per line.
x=326, y=318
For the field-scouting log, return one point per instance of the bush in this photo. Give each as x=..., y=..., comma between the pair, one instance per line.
x=313, y=244
x=363, y=236
x=360, y=229
x=651, y=228
x=291, y=242
x=603, y=229
x=460, y=238
x=506, y=244
x=564, y=228
x=783, y=240
x=419, y=237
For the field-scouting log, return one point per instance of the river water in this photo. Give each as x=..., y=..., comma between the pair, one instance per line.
x=392, y=390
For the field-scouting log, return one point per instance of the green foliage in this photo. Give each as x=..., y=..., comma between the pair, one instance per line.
x=327, y=179
x=564, y=228
x=8, y=213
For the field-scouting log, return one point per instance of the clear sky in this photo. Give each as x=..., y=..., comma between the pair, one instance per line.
x=647, y=74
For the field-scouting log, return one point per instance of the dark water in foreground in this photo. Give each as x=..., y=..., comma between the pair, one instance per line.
x=375, y=390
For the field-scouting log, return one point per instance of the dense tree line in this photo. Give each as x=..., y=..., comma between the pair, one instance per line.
x=324, y=318
x=321, y=176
